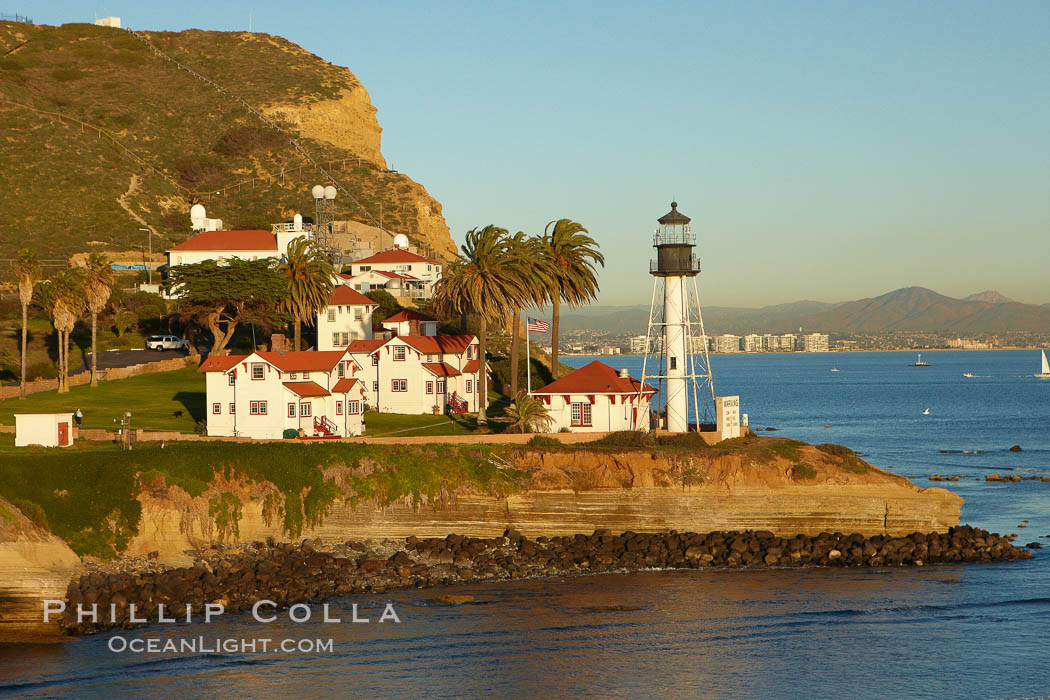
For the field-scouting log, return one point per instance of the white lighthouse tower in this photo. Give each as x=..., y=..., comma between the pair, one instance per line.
x=676, y=344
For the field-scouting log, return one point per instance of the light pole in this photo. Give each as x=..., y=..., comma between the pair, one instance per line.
x=149, y=264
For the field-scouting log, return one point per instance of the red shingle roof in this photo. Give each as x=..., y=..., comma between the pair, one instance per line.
x=367, y=346
x=437, y=344
x=230, y=240
x=307, y=389
x=395, y=275
x=345, y=385
x=408, y=315
x=593, y=378
x=393, y=256
x=303, y=360
x=220, y=363
x=441, y=369
x=472, y=366
x=345, y=296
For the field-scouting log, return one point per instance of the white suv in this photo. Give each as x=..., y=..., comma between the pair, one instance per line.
x=165, y=342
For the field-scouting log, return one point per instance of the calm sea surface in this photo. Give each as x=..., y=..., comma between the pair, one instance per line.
x=784, y=633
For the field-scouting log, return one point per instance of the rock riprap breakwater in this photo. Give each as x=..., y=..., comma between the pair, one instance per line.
x=288, y=574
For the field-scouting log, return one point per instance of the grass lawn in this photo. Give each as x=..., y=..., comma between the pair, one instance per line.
x=152, y=399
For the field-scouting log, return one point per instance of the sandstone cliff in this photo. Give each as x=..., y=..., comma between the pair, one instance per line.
x=570, y=491
x=34, y=566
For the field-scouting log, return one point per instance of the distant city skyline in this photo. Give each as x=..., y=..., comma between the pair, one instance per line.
x=825, y=151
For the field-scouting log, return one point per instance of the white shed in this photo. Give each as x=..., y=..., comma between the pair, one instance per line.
x=47, y=429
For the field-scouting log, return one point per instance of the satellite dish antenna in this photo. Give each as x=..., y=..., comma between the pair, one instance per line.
x=329, y=192
x=401, y=241
x=318, y=192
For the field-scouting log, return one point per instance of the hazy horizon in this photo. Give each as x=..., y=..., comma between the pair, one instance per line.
x=824, y=151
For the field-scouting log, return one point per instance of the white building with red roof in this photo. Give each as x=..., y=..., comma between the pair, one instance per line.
x=413, y=374
x=596, y=398
x=346, y=318
x=264, y=394
x=410, y=322
x=398, y=271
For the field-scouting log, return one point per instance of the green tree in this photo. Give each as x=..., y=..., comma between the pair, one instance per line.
x=571, y=255
x=220, y=297
x=307, y=273
x=124, y=320
x=484, y=280
x=388, y=305
x=527, y=415
x=27, y=269
x=98, y=285
x=536, y=285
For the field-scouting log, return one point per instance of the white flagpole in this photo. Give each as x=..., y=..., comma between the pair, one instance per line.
x=528, y=358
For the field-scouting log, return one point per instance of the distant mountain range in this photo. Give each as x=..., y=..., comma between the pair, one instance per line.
x=911, y=309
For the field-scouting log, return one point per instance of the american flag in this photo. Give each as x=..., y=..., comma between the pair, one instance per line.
x=535, y=325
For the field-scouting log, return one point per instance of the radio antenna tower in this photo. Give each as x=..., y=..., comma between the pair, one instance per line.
x=675, y=340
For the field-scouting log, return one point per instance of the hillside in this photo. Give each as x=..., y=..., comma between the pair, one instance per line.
x=103, y=136
x=911, y=309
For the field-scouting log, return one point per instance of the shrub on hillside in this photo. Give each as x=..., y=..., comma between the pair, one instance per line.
x=625, y=438
x=837, y=450
x=543, y=441
x=246, y=140
x=200, y=171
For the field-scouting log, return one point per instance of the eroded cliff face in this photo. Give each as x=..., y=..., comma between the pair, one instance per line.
x=34, y=566
x=348, y=122
x=579, y=491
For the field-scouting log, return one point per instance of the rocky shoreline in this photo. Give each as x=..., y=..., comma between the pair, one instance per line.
x=238, y=576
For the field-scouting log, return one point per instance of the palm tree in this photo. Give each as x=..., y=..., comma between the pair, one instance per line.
x=27, y=268
x=527, y=415
x=97, y=288
x=537, y=284
x=571, y=254
x=63, y=298
x=308, y=273
x=485, y=280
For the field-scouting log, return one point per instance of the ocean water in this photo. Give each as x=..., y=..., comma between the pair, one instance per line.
x=933, y=632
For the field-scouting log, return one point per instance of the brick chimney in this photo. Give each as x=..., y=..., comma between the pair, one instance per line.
x=279, y=343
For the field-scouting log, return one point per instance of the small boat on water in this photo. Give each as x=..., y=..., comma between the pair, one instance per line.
x=1044, y=372
x=834, y=369
x=969, y=375
x=926, y=412
x=920, y=363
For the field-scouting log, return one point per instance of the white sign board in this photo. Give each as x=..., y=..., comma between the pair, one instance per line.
x=727, y=412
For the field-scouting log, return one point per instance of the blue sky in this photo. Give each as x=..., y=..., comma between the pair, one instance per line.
x=825, y=150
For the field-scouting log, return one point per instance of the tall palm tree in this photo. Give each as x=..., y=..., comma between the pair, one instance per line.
x=485, y=280
x=27, y=268
x=537, y=286
x=572, y=255
x=97, y=287
x=308, y=272
x=63, y=298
